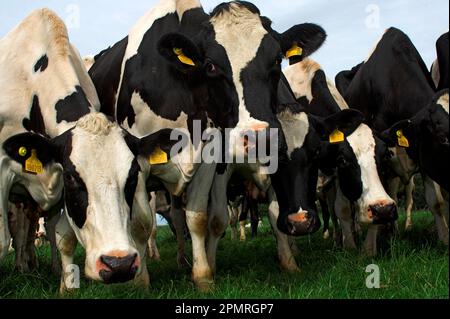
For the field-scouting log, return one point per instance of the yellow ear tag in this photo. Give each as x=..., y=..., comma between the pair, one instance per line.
x=158, y=157
x=402, y=140
x=294, y=51
x=23, y=151
x=337, y=137
x=183, y=58
x=33, y=165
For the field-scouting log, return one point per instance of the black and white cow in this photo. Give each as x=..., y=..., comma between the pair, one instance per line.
x=52, y=137
x=179, y=64
x=356, y=160
x=394, y=90
x=440, y=68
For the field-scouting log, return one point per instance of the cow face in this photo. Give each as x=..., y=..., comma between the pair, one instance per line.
x=425, y=138
x=236, y=59
x=100, y=177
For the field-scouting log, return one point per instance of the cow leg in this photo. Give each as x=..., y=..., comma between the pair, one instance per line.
x=326, y=218
x=242, y=236
x=178, y=216
x=66, y=242
x=344, y=213
x=409, y=194
x=153, y=252
x=370, y=244
x=19, y=235
x=243, y=218
x=51, y=235
x=33, y=219
x=233, y=212
x=218, y=219
x=287, y=260
x=254, y=218
x=5, y=187
x=141, y=228
x=437, y=205
x=197, y=220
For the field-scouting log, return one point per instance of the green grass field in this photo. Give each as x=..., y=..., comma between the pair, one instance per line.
x=414, y=265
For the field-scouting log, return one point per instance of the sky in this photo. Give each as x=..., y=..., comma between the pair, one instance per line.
x=353, y=26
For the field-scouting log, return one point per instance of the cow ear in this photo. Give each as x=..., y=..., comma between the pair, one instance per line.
x=180, y=51
x=338, y=126
x=301, y=41
x=32, y=151
x=399, y=134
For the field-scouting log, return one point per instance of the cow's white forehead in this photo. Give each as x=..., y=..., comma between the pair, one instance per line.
x=99, y=152
x=240, y=32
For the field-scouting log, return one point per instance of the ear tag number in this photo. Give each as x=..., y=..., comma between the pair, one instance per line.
x=33, y=165
x=294, y=51
x=402, y=140
x=183, y=58
x=337, y=137
x=158, y=157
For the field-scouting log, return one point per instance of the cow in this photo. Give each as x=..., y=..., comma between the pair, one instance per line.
x=356, y=161
x=440, y=68
x=56, y=139
x=394, y=89
x=179, y=64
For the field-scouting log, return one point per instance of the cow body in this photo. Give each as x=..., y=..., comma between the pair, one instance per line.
x=394, y=90
x=56, y=138
x=356, y=161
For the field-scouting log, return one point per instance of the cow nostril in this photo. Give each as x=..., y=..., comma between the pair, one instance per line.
x=119, y=269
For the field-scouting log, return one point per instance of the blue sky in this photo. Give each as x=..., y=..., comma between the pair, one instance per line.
x=353, y=26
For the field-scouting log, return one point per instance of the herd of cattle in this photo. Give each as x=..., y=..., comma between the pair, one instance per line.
x=85, y=142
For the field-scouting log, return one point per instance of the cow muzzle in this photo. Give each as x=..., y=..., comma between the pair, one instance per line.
x=302, y=223
x=118, y=269
x=383, y=214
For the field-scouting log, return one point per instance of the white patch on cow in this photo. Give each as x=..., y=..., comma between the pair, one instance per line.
x=295, y=128
x=185, y=5
x=88, y=61
x=436, y=73
x=375, y=47
x=300, y=76
x=103, y=160
x=443, y=101
x=362, y=143
x=336, y=95
x=240, y=32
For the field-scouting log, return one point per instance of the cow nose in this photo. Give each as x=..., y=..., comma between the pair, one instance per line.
x=303, y=223
x=384, y=214
x=118, y=269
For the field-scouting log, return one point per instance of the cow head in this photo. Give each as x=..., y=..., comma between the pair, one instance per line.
x=235, y=60
x=425, y=137
x=101, y=175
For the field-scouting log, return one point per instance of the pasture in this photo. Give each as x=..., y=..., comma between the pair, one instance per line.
x=412, y=265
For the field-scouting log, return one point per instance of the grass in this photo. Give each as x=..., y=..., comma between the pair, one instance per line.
x=413, y=265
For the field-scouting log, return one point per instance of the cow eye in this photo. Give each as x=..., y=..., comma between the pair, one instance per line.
x=211, y=68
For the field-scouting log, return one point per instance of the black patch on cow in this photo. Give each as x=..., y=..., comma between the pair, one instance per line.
x=105, y=74
x=36, y=122
x=349, y=172
x=131, y=184
x=41, y=64
x=442, y=46
x=73, y=107
x=75, y=190
x=260, y=79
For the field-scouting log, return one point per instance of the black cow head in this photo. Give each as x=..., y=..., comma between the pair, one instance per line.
x=425, y=137
x=235, y=65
